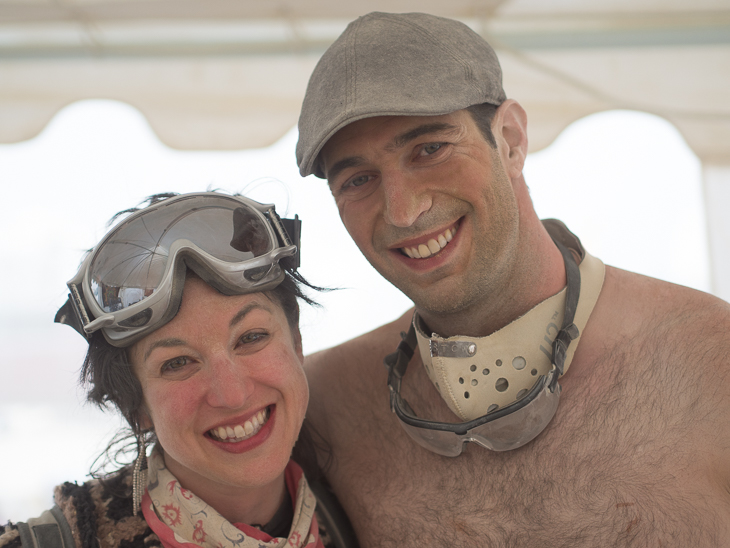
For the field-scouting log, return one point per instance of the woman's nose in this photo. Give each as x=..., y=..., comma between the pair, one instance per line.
x=229, y=384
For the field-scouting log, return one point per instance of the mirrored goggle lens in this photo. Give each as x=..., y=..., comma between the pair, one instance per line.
x=132, y=261
x=508, y=432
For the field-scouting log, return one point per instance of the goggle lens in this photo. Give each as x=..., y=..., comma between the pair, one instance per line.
x=507, y=432
x=131, y=262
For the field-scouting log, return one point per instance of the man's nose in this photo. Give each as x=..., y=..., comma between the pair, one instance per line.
x=229, y=383
x=405, y=199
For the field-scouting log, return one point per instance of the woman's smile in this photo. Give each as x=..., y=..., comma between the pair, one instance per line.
x=240, y=432
x=261, y=426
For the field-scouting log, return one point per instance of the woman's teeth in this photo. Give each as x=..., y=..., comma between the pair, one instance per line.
x=431, y=247
x=240, y=432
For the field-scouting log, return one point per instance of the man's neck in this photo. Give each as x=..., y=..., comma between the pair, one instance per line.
x=537, y=275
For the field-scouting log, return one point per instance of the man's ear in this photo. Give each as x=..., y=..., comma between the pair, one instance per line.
x=510, y=130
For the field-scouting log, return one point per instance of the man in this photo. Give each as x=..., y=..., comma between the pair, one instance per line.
x=406, y=119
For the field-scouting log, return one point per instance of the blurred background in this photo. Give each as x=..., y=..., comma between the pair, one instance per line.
x=104, y=102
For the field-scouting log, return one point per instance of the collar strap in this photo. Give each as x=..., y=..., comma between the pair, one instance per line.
x=397, y=362
x=452, y=363
x=569, y=331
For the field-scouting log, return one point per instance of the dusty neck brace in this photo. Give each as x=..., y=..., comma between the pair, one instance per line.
x=477, y=375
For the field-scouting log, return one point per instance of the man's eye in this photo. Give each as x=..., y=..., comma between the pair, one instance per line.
x=357, y=187
x=430, y=148
x=357, y=181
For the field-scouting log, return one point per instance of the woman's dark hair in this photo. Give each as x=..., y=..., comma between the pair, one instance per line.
x=107, y=370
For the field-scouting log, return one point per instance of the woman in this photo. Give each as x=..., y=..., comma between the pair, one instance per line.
x=190, y=310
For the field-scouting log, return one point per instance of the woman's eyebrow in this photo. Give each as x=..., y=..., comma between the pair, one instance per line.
x=172, y=342
x=245, y=310
x=163, y=343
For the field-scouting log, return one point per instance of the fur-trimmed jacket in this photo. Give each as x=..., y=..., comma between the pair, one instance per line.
x=98, y=514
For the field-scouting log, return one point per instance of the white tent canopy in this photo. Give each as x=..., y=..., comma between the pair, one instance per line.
x=230, y=74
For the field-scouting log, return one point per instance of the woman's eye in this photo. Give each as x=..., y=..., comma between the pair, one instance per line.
x=175, y=364
x=253, y=337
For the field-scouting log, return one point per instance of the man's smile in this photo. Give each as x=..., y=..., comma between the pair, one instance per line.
x=432, y=245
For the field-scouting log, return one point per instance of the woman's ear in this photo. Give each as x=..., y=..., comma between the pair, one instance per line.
x=297, y=336
x=509, y=127
x=145, y=422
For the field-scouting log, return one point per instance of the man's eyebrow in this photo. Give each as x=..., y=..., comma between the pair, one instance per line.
x=351, y=161
x=397, y=142
x=163, y=343
x=404, y=138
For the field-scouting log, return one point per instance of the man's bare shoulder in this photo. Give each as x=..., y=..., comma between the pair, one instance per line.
x=641, y=320
x=632, y=306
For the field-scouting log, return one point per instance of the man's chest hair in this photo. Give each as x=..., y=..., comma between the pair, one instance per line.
x=627, y=460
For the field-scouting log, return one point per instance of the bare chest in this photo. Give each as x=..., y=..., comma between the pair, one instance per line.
x=624, y=462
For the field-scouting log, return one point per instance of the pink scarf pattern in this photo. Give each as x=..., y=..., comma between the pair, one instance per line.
x=182, y=520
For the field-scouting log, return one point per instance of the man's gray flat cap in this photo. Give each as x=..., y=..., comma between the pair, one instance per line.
x=389, y=64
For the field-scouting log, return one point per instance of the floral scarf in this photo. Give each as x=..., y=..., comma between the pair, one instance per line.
x=174, y=514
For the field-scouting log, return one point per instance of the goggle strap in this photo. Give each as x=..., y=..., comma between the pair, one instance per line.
x=276, y=221
x=78, y=303
x=68, y=315
x=289, y=232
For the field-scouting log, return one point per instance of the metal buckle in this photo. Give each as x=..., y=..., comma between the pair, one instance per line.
x=452, y=349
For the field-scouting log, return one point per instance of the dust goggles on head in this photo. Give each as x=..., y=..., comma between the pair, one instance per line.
x=131, y=283
x=502, y=429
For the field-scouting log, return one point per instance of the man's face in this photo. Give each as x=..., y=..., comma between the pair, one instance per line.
x=429, y=204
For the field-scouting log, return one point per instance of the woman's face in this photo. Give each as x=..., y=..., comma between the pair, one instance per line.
x=224, y=389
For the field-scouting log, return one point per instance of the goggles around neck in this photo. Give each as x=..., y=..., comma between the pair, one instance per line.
x=502, y=429
x=131, y=283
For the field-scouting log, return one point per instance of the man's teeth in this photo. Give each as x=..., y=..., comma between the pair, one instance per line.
x=431, y=247
x=240, y=432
